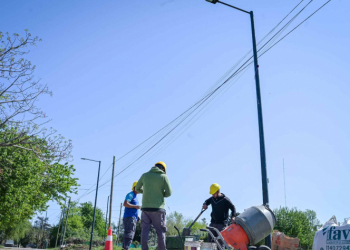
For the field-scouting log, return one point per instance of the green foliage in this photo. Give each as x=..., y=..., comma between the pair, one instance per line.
x=137, y=236
x=195, y=229
x=79, y=223
x=178, y=220
x=19, y=231
x=26, y=233
x=87, y=212
x=295, y=223
x=28, y=183
x=175, y=219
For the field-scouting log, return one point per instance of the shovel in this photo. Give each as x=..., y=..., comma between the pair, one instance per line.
x=187, y=230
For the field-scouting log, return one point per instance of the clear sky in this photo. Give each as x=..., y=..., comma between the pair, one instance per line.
x=121, y=70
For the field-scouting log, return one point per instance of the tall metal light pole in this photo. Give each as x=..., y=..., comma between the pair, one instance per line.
x=265, y=190
x=93, y=221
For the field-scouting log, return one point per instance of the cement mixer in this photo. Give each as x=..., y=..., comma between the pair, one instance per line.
x=251, y=226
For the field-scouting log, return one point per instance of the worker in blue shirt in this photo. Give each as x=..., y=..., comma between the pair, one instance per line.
x=131, y=217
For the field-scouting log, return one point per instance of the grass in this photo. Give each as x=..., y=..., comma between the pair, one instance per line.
x=86, y=247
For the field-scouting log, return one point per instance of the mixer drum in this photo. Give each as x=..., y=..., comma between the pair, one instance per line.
x=257, y=222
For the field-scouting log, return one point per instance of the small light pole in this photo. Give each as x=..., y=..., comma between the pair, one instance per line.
x=93, y=221
x=260, y=116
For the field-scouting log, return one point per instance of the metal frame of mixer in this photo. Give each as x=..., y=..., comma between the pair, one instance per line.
x=219, y=237
x=241, y=235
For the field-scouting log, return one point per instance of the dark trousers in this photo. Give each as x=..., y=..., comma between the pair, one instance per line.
x=129, y=231
x=219, y=227
x=157, y=220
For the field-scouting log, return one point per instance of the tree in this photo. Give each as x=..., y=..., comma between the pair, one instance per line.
x=28, y=183
x=295, y=223
x=44, y=230
x=20, y=231
x=87, y=213
x=137, y=236
x=22, y=122
x=195, y=229
x=175, y=219
x=75, y=230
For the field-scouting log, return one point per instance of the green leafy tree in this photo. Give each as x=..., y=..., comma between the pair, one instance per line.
x=175, y=219
x=19, y=231
x=295, y=223
x=75, y=230
x=195, y=229
x=137, y=236
x=87, y=213
x=27, y=183
x=25, y=233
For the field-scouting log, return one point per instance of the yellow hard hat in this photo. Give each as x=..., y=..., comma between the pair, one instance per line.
x=161, y=163
x=134, y=185
x=214, y=188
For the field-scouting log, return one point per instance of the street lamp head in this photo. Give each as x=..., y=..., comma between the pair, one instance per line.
x=90, y=160
x=212, y=1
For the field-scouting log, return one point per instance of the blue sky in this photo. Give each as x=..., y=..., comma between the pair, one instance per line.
x=121, y=70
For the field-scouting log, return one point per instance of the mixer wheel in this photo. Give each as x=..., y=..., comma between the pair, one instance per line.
x=263, y=247
x=252, y=248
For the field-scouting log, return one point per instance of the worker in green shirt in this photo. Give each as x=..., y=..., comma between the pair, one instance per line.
x=155, y=186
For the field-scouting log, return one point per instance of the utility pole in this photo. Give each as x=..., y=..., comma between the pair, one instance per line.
x=120, y=215
x=64, y=211
x=106, y=217
x=64, y=231
x=111, y=196
x=58, y=229
x=44, y=230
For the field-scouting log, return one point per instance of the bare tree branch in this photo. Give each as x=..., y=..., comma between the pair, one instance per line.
x=22, y=122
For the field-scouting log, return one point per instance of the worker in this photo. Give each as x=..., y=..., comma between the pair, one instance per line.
x=155, y=186
x=131, y=217
x=221, y=205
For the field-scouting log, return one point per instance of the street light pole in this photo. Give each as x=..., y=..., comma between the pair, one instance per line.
x=260, y=119
x=264, y=179
x=93, y=221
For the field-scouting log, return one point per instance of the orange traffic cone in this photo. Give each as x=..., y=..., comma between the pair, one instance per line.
x=109, y=240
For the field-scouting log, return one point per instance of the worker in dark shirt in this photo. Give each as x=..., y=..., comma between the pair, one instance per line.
x=220, y=209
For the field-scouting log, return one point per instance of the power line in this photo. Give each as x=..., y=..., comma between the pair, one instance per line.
x=206, y=97
x=208, y=92
x=94, y=184
x=296, y=27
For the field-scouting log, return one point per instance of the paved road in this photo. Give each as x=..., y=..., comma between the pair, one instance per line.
x=17, y=248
